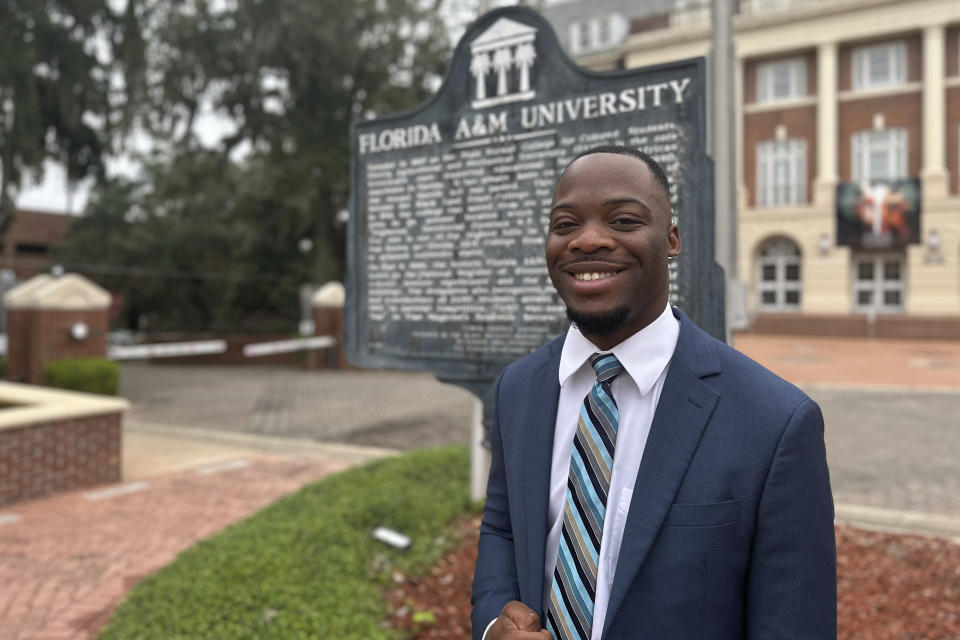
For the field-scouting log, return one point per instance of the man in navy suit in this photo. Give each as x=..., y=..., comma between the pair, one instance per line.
x=717, y=521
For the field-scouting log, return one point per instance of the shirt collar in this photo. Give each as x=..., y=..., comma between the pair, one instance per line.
x=643, y=355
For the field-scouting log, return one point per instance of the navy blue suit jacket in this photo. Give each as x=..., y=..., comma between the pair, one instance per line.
x=730, y=529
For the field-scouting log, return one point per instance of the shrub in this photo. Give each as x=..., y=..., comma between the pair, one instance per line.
x=93, y=375
x=307, y=566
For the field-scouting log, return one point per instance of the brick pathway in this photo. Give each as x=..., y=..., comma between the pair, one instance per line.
x=68, y=560
x=857, y=362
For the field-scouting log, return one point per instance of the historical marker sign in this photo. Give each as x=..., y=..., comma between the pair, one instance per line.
x=450, y=201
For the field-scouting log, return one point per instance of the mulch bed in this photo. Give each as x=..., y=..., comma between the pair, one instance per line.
x=891, y=587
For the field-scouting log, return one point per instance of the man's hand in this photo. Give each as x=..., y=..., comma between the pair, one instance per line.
x=517, y=621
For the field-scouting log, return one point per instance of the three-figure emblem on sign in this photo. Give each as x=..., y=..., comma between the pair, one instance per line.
x=507, y=49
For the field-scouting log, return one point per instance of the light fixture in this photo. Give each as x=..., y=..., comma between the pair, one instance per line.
x=79, y=331
x=824, y=244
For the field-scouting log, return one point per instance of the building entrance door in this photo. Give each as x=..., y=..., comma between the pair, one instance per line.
x=878, y=282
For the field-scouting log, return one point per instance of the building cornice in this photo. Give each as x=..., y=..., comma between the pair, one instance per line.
x=884, y=92
x=780, y=105
x=804, y=26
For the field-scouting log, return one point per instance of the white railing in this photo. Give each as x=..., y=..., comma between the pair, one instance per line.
x=165, y=349
x=287, y=346
x=690, y=17
x=761, y=7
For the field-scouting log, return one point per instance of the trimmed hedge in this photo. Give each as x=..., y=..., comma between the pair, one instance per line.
x=93, y=375
x=307, y=566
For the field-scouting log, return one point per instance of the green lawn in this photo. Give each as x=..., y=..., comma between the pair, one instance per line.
x=306, y=566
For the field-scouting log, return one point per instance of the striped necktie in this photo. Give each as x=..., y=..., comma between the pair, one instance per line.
x=570, y=610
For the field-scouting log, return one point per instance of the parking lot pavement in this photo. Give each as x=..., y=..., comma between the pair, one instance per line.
x=893, y=449
x=890, y=407
x=397, y=410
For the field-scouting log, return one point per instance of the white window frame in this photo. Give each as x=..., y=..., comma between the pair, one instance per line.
x=593, y=29
x=773, y=155
x=779, y=253
x=879, y=285
x=578, y=30
x=891, y=143
x=601, y=23
x=861, y=65
x=794, y=69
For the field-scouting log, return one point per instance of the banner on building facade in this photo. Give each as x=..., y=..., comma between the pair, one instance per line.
x=881, y=216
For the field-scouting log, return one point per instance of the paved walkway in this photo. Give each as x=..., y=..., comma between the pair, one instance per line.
x=856, y=362
x=68, y=560
x=214, y=445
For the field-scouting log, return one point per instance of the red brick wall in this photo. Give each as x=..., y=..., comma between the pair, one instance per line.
x=31, y=227
x=42, y=459
x=329, y=322
x=234, y=353
x=953, y=138
x=19, y=331
x=899, y=111
x=953, y=51
x=857, y=325
x=914, y=58
x=52, y=340
x=801, y=122
x=750, y=73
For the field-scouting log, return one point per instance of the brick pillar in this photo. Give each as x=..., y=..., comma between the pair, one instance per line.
x=328, y=304
x=19, y=342
x=51, y=319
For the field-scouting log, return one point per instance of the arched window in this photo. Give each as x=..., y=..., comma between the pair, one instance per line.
x=779, y=276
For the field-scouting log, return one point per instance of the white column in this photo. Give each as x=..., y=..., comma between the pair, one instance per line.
x=934, y=172
x=827, y=142
x=738, y=131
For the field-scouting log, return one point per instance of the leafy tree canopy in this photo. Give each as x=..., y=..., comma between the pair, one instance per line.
x=61, y=79
x=288, y=76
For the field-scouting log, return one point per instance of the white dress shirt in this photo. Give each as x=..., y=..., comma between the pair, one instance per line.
x=644, y=356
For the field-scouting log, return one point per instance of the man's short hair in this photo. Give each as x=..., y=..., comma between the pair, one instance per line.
x=658, y=173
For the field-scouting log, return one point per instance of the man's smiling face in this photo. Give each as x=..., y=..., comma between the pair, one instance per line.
x=607, y=246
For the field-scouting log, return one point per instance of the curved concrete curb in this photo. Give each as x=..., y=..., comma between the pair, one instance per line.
x=897, y=521
x=352, y=454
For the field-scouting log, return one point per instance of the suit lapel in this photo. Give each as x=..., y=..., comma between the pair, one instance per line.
x=539, y=423
x=685, y=406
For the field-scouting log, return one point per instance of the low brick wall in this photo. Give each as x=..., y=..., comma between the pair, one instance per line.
x=858, y=325
x=233, y=356
x=42, y=459
x=53, y=441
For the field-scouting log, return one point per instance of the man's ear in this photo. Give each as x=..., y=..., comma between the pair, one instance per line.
x=673, y=241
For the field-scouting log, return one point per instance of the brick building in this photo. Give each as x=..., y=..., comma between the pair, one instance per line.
x=27, y=245
x=863, y=95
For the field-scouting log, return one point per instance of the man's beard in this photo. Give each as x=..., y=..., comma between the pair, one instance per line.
x=599, y=324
